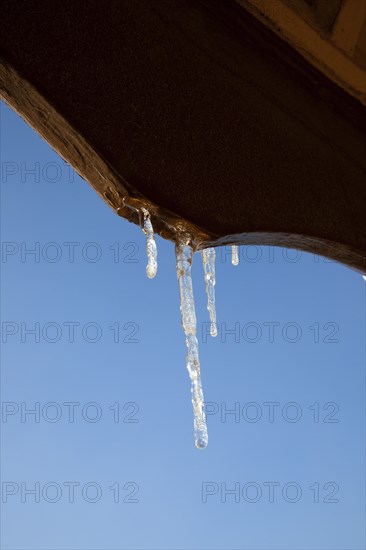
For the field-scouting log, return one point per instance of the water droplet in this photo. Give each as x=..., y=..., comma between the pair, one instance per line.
x=201, y=441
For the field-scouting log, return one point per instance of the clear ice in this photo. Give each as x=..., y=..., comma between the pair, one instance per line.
x=151, y=248
x=208, y=260
x=184, y=256
x=234, y=255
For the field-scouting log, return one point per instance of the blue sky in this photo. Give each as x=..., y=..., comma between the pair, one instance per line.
x=96, y=350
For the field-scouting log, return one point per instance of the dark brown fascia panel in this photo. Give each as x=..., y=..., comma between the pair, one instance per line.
x=199, y=112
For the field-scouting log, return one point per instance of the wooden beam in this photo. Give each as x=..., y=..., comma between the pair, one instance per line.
x=317, y=48
x=348, y=25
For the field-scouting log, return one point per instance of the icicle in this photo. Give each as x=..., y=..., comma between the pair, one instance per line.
x=151, y=249
x=234, y=255
x=208, y=260
x=184, y=254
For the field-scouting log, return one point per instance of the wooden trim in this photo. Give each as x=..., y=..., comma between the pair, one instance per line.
x=317, y=48
x=348, y=25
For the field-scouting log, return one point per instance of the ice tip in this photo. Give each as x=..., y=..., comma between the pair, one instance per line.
x=201, y=443
x=151, y=271
x=235, y=255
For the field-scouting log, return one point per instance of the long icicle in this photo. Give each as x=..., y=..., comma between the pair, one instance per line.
x=184, y=255
x=208, y=260
x=151, y=248
x=234, y=255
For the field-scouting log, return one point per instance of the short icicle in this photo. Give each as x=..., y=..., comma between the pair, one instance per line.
x=234, y=255
x=184, y=256
x=208, y=260
x=151, y=248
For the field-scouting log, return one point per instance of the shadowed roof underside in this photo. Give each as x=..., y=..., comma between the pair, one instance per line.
x=198, y=111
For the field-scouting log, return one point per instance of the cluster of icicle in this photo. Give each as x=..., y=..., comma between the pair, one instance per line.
x=184, y=255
